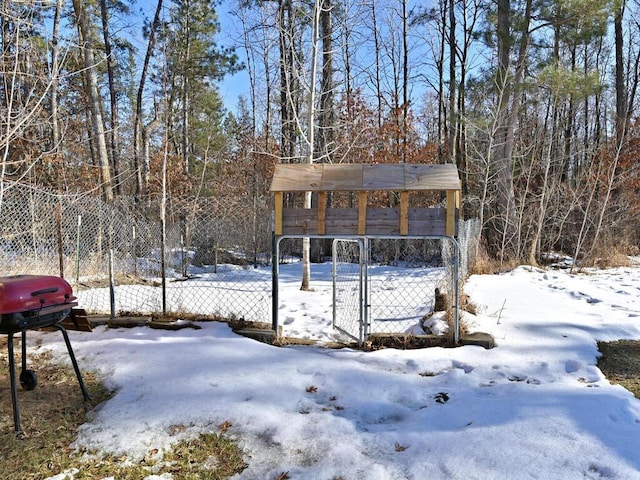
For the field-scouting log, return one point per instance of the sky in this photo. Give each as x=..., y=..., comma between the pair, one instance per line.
x=232, y=86
x=536, y=406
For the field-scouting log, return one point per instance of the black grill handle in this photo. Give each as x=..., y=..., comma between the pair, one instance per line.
x=43, y=291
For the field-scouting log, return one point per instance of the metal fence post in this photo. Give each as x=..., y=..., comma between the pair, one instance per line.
x=112, y=286
x=275, y=244
x=78, y=249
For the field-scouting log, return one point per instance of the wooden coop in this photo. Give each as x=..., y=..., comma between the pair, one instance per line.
x=363, y=218
x=361, y=180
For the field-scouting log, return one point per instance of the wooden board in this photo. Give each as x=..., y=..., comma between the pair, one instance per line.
x=77, y=320
x=431, y=177
x=379, y=221
x=383, y=177
x=341, y=179
x=364, y=177
x=427, y=221
x=300, y=221
x=297, y=178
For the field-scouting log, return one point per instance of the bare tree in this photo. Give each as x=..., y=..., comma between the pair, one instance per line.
x=378, y=80
x=621, y=91
x=94, y=100
x=310, y=139
x=326, y=119
x=25, y=85
x=141, y=171
x=55, y=66
x=114, y=130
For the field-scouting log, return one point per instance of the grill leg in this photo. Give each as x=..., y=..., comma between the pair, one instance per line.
x=73, y=360
x=14, y=387
x=24, y=350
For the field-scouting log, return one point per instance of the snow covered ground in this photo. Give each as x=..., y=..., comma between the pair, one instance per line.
x=536, y=406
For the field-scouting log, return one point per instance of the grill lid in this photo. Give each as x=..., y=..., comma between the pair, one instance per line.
x=20, y=293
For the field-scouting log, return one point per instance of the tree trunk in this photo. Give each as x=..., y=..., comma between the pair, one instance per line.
x=55, y=53
x=137, y=122
x=327, y=115
x=442, y=110
x=505, y=226
x=114, y=132
x=97, y=126
x=317, y=7
x=185, y=94
x=287, y=81
x=621, y=94
x=405, y=82
x=453, y=119
x=376, y=41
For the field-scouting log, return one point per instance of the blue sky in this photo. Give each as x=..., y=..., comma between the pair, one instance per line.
x=233, y=85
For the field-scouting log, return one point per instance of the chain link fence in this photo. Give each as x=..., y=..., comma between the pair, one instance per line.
x=206, y=263
x=469, y=232
x=214, y=259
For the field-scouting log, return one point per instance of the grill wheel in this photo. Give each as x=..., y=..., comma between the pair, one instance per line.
x=28, y=379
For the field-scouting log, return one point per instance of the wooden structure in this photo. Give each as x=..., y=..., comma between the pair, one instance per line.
x=363, y=220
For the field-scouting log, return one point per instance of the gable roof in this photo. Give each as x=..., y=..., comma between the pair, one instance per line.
x=351, y=177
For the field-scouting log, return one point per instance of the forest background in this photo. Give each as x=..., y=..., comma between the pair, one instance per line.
x=535, y=101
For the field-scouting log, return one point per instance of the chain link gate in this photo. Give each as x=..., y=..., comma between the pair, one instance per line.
x=396, y=286
x=413, y=286
x=349, y=272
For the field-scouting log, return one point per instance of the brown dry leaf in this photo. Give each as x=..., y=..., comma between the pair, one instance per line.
x=174, y=429
x=224, y=426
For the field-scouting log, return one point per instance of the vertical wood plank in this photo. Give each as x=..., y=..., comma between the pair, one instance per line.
x=322, y=212
x=362, y=213
x=404, y=213
x=278, y=200
x=450, y=225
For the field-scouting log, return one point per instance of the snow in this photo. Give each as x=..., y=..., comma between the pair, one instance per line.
x=535, y=406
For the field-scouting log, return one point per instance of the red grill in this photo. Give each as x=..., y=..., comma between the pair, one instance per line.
x=28, y=302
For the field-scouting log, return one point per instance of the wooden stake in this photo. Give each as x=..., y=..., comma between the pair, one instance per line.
x=278, y=199
x=322, y=212
x=404, y=213
x=362, y=213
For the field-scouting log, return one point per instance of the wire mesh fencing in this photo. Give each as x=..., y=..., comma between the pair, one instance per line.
x=395, y=286
x=469, y=232
x=209, y=259
x=349, y=287
x=412, y=286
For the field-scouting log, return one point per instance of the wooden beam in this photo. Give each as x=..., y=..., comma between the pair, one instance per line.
x=362, y=213
x=278, y=201
x=322, y=212
x=450, y=226
x=404, y=213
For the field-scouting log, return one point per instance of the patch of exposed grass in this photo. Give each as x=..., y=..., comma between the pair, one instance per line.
x=50, y=415
x=210, y=456
x=620, y=363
